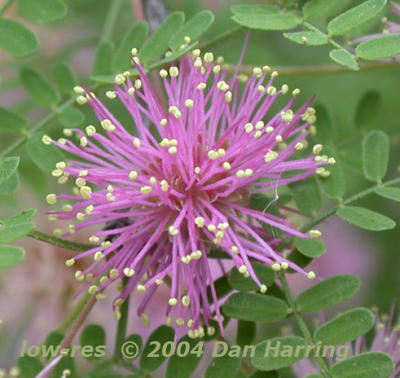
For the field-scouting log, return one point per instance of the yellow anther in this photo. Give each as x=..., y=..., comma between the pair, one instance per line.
x=70, y=262
x=146, y=189
x=276, y=267
x=164, y=185
x=173, y=231
x=315, y=233
x=114, y=273
x=226, y=165
x=199, y=222
x=208, y=57
x=86, y=192
x=270, y=156
x=173, y=71
x=235, y=249
x=133, y=175
x=78, y=89
x=51, y=199
x=98, y=256
x=211, y=227
x=129, y=272
x=81, y=100
x=111, y=94
x=46, y=139
x=311, y=275
x=185, y=300
x=263, y=289
x=172, y=301
x=189, y=103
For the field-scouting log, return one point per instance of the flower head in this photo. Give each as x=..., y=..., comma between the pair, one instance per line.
x=182, y=183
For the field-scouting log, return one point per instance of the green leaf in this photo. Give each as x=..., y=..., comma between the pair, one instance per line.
x=254, y=8
x=225, y=366
x=193, y=29
x=11, y=122
x=52, y=344
x=246, y=332
x=265, y=374
x=334, y=186
x=299, y=259
x=365, y=218
x=328, y=293
x=345, y=327
x=92, y=337
x=10, y=255
x=221, y=286
x=16, y=39
x=137, y=340
x=238, y=282
x=18, y=225
x=308, y=38
x=161, y=335
x=71, y=117
x=39, y=88
x=325, y=129
x=186, y=358
x=367, y=108
x=384, y=47
x=365, y=365
x=65, y=78
x=8, y=167
x=157, y=44
x=278, y=352
x=264, y=308
x=10, y=185
x=135, y=37
x=387, y=192
x=103, y=58
x=355, y=17
x=344, y=58
x=44, y=156
x=323, y=8
x=267, y=21
x=306, y=195
x=29, y=366
x=310, y=247
x=43, y=11
x=375, y=155
x=66, y=363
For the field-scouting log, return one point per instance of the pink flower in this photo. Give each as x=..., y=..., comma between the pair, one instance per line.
x=182, y=185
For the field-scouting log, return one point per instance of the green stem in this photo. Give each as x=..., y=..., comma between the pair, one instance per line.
x=111, y=19
x=320, y=69
x=5, y=6
x=74, y=314
x=37, y=127
x=349, y=200
x=122, y=325
x=302, y=324
x=41, y=236
x=330, y=40
x=220, y=37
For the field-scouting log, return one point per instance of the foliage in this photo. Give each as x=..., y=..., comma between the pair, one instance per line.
x=357, y=125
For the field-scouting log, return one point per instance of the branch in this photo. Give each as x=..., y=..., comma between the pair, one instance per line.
x=58, y=242
x=316, y=69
